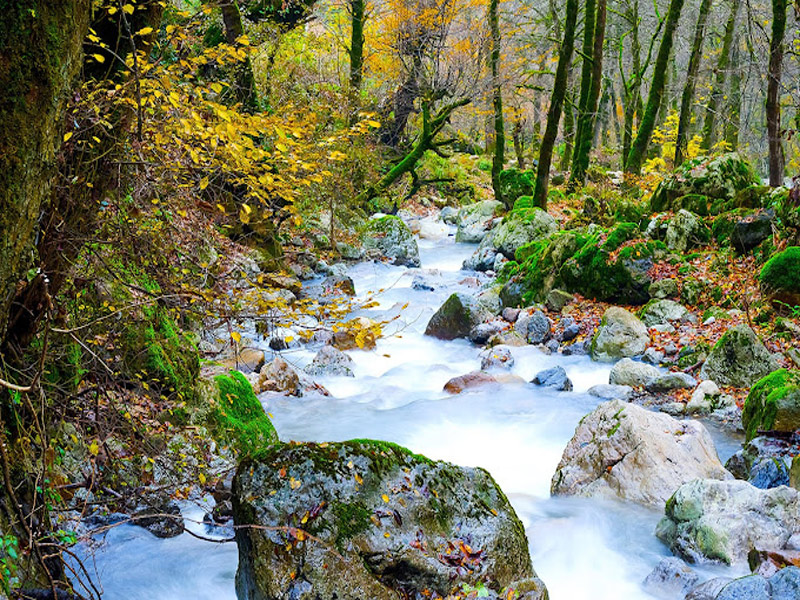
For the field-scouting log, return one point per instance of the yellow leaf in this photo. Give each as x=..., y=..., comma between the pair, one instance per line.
x=94, y=448
x=128, y=8
x=236, y=336
x=204, y=183
x=281, y=147
x=145, y=31
x=67, y=136
x=247, y=209
x=201, y=478
x=385, y=498
x=99, y=58
x=216, y=87
x=112, y=10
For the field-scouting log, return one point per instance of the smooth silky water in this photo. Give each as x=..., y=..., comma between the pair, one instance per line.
x=584, y=549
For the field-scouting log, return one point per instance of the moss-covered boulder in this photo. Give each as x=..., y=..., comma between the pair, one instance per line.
x=780, y=277
x=773, y=404
x=393, y=239
x=368, y=519
x=710, y=520
x=522, y=227
x=718, y=178
x=515, y=183
x=456, y=317
x=590, y=262
x=236, y=417
x=685, y=231
x=738, y=359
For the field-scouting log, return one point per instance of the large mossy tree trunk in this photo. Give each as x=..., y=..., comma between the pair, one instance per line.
x=588, y=113
x=498, y=158
x=556, y=104
x=656, y=95
x=720, y=75
x=779, y=8
x=40, y=57
x=587, y=60
x=687, y=98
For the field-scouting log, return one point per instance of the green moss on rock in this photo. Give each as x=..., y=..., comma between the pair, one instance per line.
x=238, y=418
x=773, y=404
x=780, y=276
x=515, y=183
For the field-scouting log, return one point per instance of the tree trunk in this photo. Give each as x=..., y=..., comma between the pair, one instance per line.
x=773, y=93
x=720, y=74
x=587, y=51
x=569, y=128
x=687, y=98
x=656, y=95
x=431, y=126
x=556, y=103
x=497, y=101
x=519, y=145
x=244, y=88
x=586, y=118
x=356, y=52
x=734, y=111
x=40, y=56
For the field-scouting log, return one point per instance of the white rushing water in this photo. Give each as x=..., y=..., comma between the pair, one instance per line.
x=584, y=549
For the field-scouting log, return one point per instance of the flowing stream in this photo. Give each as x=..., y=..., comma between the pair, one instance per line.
x=582, y=548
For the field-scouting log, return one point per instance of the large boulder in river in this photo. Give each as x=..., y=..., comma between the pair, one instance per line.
x=738, y=359
x=773, y=404
x=704, y=181
x=633, y=373
x=393, y=239
x=367, y=519
x=625, y=451
x=620, y=335
x=723, y=520
x=474, y=220
x=456, y=317
x=521, y=227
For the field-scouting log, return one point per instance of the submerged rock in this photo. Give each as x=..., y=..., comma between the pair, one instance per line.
x=367, y=519
x=672, y=578
x=497, y=357
x=555, y=378
x=330, y=361
x=456, y=317
x=625, y=451
x=469, y=381
x=723, y=520
x=620, y=335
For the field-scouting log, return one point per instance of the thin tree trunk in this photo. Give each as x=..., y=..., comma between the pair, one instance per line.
x=773, y=106
x=497, y=101
x=656, y=95
x=519, y=147
x=556, y=103
x=720, y=74
x=356, y=52
x=583, y=143
x=734, y=111
x=244, y=87
x=569, y=129
x=587, y=51
x=687, y=99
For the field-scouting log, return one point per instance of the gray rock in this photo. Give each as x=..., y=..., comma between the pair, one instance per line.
x=393, y=239
x=663, y=289
x=570, y=332
x=620, y=335
x=483, y=258
x=625, y=451
x=422, y=284
x=606, y=391
x=330, y=362
x=632, y=373
x=708, y=590
x=662, y=312
x=672, y=578
x=449, y=215
x=786, y=584
x=498, y=357
x=704, y=398
x=738, y=359
x=752, y=587
x=474, y=220
x=552, y=346
x=684, y=231
x=510, y=314
x=555, y=378
x=456, y=318
x=557, y=299
x=748, y=233
x=723, y=520
x=671, y=381
x=163, y=521
x=535, y=327
x=482, y=332
x=765, y=462
x=393, y=518
x=653, y=357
